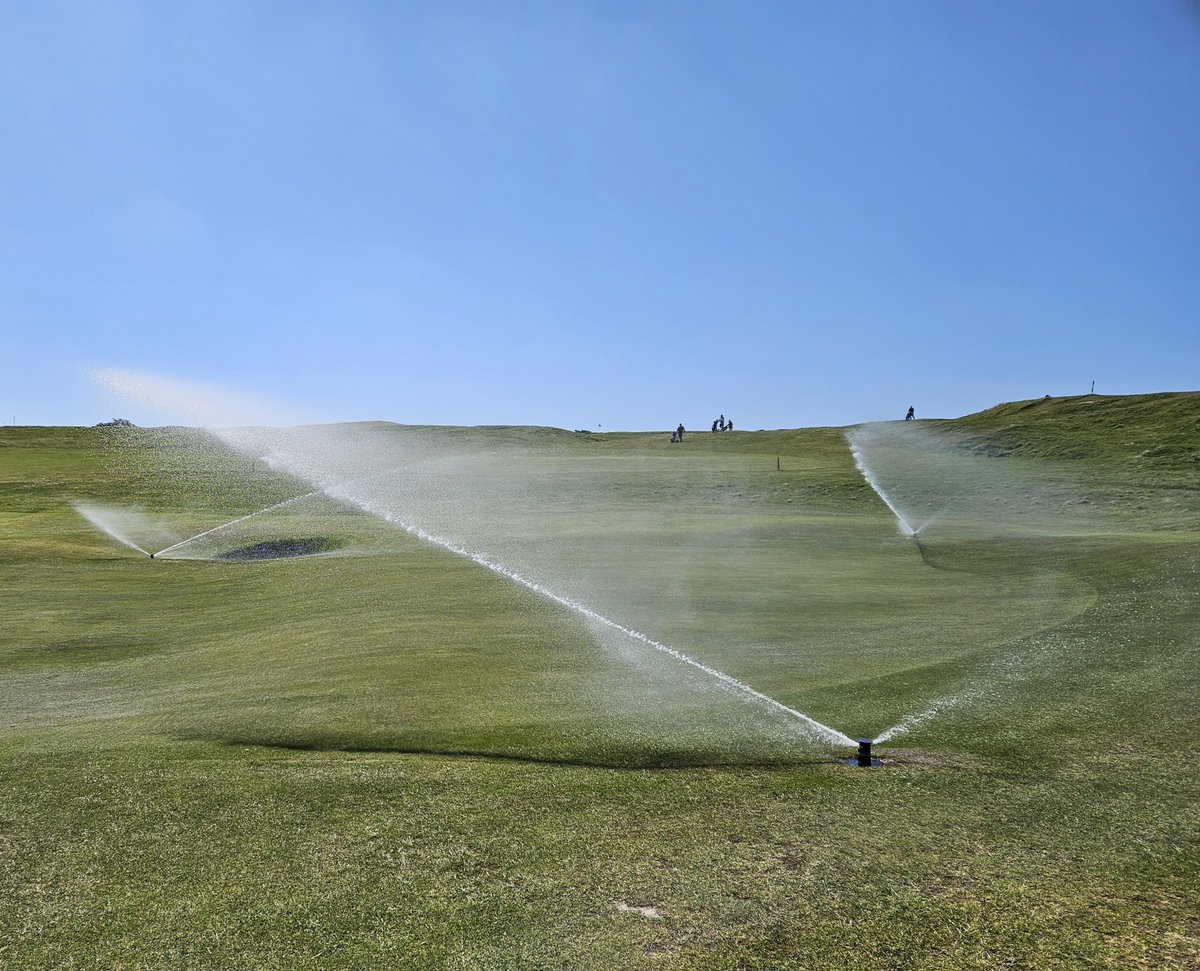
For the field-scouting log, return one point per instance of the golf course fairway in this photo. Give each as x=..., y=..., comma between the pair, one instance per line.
x=510, y=697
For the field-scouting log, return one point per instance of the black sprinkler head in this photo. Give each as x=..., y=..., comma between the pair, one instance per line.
x=151, y=556
x=863, y=756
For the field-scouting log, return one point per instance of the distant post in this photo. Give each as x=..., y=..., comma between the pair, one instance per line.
x=777, y=469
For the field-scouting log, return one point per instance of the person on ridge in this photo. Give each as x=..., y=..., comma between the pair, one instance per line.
x=729, y=425
x=714, y=427
x=912, y=413
x=679, y=431
x=721, y=423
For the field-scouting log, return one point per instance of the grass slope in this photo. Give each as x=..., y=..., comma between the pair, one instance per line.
x=1155, y=436
x=392, y=757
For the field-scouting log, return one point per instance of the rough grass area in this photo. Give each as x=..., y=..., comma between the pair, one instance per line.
x=1145, y=436
x=388, y=756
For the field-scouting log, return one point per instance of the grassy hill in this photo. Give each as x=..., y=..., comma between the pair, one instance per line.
x=1152, y=436
x=392, y=755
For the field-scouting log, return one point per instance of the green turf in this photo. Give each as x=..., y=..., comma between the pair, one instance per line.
x=388, y=756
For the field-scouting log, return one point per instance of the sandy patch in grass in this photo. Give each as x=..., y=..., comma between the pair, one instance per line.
x=651, y=912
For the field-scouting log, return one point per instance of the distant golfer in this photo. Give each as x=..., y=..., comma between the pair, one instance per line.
x=679, y=431
x=912, y=413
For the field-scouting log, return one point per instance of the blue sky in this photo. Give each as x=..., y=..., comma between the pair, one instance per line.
x=600, y=214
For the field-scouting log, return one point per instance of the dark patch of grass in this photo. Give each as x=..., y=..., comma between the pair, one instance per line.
x=279, y=549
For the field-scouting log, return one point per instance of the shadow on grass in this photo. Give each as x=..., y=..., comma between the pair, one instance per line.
x=618, y=758
x=926, y=558
x=93, y=647
x=279, y=549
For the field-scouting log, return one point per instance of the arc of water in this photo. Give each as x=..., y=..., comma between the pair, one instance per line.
x=811, y=724
x=97, y=519
x=861, y=463
x=937, y=707
x=234, y=522
x=122, y=383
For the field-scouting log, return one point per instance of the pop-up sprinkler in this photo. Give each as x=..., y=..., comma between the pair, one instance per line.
x=862, y=758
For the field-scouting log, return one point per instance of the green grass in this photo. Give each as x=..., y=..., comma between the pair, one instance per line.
x=393, y=757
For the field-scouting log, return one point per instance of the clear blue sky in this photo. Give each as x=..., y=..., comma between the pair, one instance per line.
x=619, y=214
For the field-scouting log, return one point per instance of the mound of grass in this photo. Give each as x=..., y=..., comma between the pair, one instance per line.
x=1153, y=437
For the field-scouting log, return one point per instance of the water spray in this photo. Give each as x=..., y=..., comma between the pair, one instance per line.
x=233, y=522
x=902, y=523
x=111, y=521
x=194, y=400
x=856, y=451
x=338, y=492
